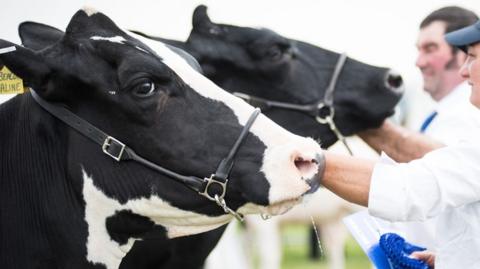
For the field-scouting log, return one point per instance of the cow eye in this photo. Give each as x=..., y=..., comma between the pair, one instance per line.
x=274, y=53
x=144, y=89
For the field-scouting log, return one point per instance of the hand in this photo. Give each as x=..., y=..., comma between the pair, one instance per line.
x=426, y=256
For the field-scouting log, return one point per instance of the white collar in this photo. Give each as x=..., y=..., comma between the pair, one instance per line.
x=456, y=98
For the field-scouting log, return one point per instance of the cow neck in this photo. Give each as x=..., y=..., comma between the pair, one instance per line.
x=323, y=110
x=213, y=187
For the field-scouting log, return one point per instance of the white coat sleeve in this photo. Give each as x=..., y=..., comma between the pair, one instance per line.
x=445, y=178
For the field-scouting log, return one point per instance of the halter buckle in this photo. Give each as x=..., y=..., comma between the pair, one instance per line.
x=112, y=143
x=211, y=180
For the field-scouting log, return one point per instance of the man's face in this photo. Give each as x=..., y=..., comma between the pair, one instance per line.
x=471, y=71
x=436, y=61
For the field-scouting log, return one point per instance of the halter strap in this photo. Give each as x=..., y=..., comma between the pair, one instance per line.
x=328, y=97
x=323, y=111
x=121, y=152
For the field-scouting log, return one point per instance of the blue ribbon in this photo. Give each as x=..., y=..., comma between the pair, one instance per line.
x=392, y=252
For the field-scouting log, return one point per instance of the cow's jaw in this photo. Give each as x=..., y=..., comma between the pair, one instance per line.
x=98, y=207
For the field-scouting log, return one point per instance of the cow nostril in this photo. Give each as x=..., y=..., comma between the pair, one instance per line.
x=306, y=167
x=394, y=80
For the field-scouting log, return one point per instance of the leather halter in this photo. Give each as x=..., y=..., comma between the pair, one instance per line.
x=323, y=110
x=213, y=188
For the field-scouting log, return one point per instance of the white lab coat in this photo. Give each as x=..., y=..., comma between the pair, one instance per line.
x=457, y=121
x=445, y=183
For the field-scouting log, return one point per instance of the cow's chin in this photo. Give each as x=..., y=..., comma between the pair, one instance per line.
x=270, y=210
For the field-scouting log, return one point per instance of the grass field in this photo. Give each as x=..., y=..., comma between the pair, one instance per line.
x=295, y=251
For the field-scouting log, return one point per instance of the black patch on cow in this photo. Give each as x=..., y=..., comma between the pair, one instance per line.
x=125, y=224
x=188, y=252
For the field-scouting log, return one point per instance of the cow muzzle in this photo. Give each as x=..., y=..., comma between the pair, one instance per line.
x=292, y=170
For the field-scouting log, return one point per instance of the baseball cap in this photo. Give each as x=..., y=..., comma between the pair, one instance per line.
x=464, y=37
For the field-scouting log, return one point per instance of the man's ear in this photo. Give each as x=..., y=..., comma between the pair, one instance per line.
x=25, y=63
x=37, y=36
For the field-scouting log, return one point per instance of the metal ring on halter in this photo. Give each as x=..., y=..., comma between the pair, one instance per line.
x=228, y=210
x=324, y=120
x=211, y=180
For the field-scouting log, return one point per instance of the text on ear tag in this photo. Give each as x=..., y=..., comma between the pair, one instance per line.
x=9, y=82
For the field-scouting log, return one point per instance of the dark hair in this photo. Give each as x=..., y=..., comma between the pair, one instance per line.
x=454, y=17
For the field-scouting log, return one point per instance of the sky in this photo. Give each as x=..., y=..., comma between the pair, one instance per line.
x=379, y=32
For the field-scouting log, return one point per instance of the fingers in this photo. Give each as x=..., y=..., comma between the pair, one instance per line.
x=426, y=256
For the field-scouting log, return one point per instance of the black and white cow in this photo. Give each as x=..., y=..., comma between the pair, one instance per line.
x=65, y=204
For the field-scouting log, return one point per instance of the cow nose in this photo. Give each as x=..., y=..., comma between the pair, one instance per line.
x=308, y=169
x=394, y=81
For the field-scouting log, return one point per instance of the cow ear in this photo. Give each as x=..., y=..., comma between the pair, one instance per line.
x=38, y=36
x=25, y=63
x=87, y=21
x=200, y=17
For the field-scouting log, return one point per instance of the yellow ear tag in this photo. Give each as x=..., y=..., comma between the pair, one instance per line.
x=9, y=82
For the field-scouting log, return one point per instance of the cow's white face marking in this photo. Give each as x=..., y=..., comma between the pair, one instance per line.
x=142, y=50
x=89, y=11
x=114, y=39
x=98, y=207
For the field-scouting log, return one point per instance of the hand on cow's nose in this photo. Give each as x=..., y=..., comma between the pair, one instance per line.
x=315, y=182
x=321, y=162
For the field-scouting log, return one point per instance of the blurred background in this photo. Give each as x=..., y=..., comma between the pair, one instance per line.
x=379, y=32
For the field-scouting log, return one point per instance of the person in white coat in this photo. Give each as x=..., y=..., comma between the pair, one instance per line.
x=453, y=120
x=439, y=63
x=444, y=183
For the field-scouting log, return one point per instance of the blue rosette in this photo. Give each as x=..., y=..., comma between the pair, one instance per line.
x=392, y=252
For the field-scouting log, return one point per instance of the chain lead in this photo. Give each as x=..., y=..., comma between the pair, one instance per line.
x=221, y=202
x=339, y=135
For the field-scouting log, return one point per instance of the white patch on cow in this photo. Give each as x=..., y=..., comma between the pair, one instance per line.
x=115, y=39
x=89, y=11
x=142, y=50
x=282, y=146
x=7, y=49
x=98, y=207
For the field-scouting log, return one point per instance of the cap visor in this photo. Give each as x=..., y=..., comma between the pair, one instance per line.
x=464, y=37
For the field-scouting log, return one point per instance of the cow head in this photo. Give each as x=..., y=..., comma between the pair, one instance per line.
x=144, y=94
x=262, y=63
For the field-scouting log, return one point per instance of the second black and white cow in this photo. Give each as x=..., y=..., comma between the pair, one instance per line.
x=266, y=66
x=66, y=204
